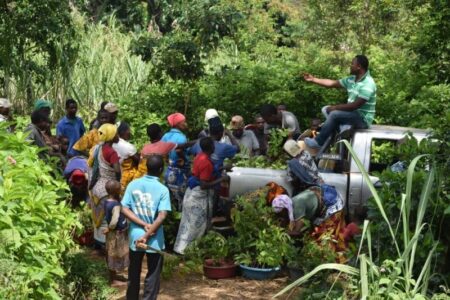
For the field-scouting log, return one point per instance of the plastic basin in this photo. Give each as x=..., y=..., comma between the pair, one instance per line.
x=259, y=273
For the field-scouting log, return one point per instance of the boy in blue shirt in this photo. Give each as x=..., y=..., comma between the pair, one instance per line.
x=145, y=203
x=71, y=126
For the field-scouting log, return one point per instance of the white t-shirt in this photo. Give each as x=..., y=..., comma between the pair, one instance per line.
x=124, y=149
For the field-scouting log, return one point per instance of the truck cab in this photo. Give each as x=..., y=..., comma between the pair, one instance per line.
x=336, y=166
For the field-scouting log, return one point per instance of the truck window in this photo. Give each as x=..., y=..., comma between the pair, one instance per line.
x=334, y=160
x=382, y=154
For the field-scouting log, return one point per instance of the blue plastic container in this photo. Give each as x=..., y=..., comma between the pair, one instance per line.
x=259, y=274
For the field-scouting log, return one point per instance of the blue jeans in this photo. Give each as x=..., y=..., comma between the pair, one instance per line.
x=337, y=118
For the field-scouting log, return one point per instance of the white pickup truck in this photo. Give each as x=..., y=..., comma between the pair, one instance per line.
x=344, y=175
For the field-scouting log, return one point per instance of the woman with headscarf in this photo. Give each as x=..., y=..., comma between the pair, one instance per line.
x=318, y=202
x=105, y=166
x=178, y=169
x=129, y=158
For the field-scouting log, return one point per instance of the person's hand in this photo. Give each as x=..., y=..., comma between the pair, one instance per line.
x=105, y=231
x=308, y=77
x=149, y=229
x=227, y=167
x=330, y=108
x=141, y=243
x=227, y=132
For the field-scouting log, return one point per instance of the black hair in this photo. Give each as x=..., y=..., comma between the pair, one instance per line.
x=103, y=104
x=70, y=101
x=268, y=110
x=215, y=126
x=315, y=120
x=112, y=186
x=362, y=61
x=207, y=144
x=154, y=131
x=39, y=116
x=102, y=111
x=123, y=126
x=257, y=116
x=155, y=165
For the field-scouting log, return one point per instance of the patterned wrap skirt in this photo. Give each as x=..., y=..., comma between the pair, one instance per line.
x=117, y=249
x=195, y=218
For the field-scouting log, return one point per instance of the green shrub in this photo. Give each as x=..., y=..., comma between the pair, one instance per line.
x=36, y=224
x=259, y=241
x=86, y=278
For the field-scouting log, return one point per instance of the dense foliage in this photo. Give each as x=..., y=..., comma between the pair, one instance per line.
x=156, y=57
x=36, y=223
x=259, y=240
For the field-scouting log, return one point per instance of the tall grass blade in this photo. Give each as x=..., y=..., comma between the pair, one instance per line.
x=363, y=236
x=332, y=266
x=424, y=197
x=373, y=191
x=364, y=277
x=425, y=270
x=407, y=200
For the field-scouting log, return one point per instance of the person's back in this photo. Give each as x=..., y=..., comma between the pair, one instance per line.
x=146, y=203
x=144, y=196
x=221, y=152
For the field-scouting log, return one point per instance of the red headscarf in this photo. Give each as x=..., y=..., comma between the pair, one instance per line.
x=175, y=119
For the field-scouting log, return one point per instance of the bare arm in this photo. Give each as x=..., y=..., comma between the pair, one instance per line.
x=186, y=145
x=154, y=227
x=328, y=83
x=115, y=217
x=132, y=217
x=204, y=185
x=348, y=106
x=116, y=167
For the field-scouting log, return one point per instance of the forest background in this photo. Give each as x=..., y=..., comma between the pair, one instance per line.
x=156, y=57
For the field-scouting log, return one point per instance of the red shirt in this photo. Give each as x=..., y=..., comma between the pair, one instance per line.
x=158, y=148
x=203, y=167
x=109, y=154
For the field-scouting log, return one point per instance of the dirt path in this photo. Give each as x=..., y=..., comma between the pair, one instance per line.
x=198, y=287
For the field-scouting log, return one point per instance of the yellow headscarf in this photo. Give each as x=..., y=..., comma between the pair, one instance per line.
x=107, y=132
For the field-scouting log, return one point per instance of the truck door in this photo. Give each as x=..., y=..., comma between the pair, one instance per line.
x=361, y=145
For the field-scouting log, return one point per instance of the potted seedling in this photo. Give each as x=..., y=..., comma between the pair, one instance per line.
x=260, y=244
x=215, y=252
x=86, y=238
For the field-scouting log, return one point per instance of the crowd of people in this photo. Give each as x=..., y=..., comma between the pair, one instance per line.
x=130, y=192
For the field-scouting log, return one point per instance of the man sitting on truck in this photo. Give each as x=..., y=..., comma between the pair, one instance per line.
x=359, y=111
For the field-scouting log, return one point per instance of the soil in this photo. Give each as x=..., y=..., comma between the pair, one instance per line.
x=196, y=286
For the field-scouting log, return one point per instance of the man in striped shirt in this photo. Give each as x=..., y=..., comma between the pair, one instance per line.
x=359, y=110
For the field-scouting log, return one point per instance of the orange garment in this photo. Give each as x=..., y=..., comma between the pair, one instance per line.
x=331, y=229
x=274, y=191
x=141, y=168
x=87, y=141
x=128, y=172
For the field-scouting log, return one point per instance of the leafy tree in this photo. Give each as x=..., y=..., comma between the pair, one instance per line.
x=37, y=40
